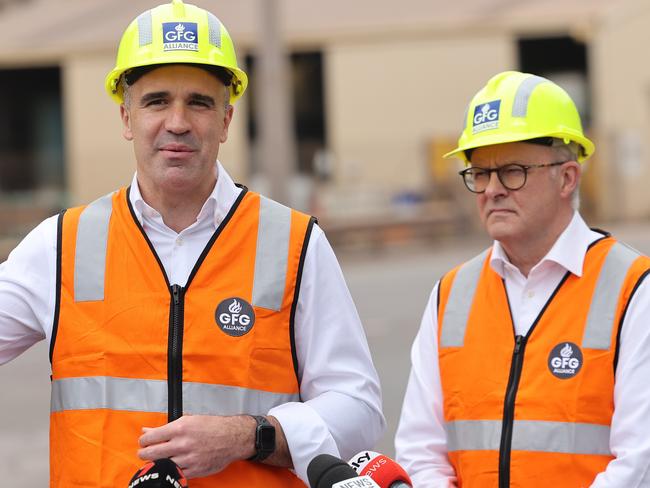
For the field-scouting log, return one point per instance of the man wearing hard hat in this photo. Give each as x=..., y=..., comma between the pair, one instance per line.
x=531, y=365
x=188, y=317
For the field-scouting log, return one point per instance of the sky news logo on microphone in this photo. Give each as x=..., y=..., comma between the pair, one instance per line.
x=361, y=462
x=327, y=471
x=383, y=470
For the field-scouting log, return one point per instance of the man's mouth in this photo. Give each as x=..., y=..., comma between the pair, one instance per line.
x=500, y=211
x=176, y=148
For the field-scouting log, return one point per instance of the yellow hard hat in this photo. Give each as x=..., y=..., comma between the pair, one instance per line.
x=516, y=106
x=176, y=33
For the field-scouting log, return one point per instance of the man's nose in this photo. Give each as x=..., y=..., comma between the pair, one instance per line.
x=494, y=186
x=177, y=120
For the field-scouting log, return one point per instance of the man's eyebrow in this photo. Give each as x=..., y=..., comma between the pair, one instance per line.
x=148, y=97
x=197, y=97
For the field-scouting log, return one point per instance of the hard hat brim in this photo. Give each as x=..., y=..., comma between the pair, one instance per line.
x=114, y=90
x=588, y=147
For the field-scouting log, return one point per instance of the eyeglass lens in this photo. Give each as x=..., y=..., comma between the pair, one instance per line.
x=511, y=176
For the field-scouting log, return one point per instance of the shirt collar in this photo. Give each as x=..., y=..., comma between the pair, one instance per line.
x=218, y=204
x=568, y=251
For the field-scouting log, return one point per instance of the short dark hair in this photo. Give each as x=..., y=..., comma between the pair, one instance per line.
x=222, y=74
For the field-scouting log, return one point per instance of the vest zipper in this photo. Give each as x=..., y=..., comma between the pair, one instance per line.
x=509, y=411
x=175, y=354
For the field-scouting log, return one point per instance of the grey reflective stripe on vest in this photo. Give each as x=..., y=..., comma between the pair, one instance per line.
x=214, y=29
x=204, y=399
x=460, y=301
x=529, y=435
x=90, y=250
x=270, y=261
x=272, y=254
x=135, y=395
x=87, y=393
x=598, y=332
x=520, y=103
x=145, y=34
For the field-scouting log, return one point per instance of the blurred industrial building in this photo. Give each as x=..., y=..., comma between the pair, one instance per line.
x=378, y=91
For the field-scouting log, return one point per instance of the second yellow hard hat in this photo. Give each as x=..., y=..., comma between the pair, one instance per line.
x=516, y=106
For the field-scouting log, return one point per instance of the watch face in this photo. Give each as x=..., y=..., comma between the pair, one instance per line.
x=266, y=435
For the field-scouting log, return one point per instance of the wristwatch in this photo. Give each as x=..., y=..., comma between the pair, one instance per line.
x=264, y=439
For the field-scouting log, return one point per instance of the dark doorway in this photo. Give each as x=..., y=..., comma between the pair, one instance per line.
x=562, y=59
x=308, y=106
x=31, y=133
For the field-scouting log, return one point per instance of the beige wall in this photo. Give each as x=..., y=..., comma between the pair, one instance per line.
x=98, y=158
x=394, y=82
x=387, y=99
x=621, y=93
x=235, y=153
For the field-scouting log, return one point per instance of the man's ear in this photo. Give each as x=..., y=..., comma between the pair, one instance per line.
x=227, y=118
x=571, y=172
x=126, y=123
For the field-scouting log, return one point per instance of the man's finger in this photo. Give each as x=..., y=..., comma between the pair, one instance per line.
x=154, y=435
x=157, y=451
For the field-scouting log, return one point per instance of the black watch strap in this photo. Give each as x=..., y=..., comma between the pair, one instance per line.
x=264, y=439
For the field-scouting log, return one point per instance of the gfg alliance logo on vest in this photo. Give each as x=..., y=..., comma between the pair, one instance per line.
x=565, y=360
x=180, y=36
x=486, y=116
x=235, y=316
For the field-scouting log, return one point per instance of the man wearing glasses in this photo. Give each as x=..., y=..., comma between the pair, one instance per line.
x=530, y=368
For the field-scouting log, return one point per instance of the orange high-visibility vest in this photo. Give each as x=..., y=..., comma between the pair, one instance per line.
x=129, y=349
x=534, y=410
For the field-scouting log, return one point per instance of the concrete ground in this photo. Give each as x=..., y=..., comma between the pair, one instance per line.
x=390, y=287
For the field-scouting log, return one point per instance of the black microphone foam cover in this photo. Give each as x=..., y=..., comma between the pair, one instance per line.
x=325, y=470
x=158, y=474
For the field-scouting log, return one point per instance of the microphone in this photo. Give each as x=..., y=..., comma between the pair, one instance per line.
x=327, y=471
x=161, y=473
x=382, y=469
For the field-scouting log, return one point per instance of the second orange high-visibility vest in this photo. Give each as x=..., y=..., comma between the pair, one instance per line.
x=533, y=411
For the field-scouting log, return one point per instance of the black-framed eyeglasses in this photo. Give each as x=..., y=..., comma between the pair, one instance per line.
x=512, y=176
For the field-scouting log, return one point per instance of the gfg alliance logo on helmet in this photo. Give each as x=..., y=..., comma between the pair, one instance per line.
x=180, y=36
x=565, y=360
x=235, y=316
x=486, y=116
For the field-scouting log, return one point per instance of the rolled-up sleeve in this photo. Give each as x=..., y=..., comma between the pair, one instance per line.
x=340, y=413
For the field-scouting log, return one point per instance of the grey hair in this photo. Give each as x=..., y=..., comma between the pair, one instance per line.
x=568, y=152
x=126, y=94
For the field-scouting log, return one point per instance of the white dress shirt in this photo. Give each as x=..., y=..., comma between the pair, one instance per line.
x=421, y=443
x=340, y=412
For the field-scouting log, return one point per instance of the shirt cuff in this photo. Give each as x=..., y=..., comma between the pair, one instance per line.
x=306, y=433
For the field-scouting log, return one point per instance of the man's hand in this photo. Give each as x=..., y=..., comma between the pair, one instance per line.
x=200, y=444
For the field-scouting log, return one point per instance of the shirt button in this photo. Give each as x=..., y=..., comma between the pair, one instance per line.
x=531, y=294
x=179, y=241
